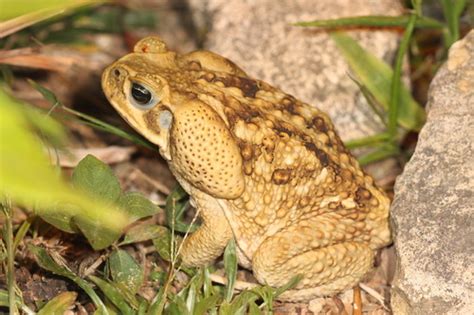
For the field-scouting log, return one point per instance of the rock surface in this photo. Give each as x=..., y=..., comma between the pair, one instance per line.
x=434, y=199
x=305, y=62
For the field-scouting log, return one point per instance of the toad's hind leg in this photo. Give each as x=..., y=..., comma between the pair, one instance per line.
x=326, y=268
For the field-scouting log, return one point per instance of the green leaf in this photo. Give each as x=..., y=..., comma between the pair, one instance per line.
x=162, y=244
x=59, y=304
x=128, y=294
x=372, y=21
x=26, y=175
x=97, y=234
x=376, y=76
x=97, y=178
x=113, y=295
x=203, y=306
x=142, y=232
x=61, y=218
x=125, y=270
x=45, y=261
x=230, y=266
x=239, y=304
x=137, y=205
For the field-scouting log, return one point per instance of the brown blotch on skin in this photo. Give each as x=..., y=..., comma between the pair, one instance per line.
x=247, y=113
x=281, y=176
x=246, y=150
x=284, y=127
x=320, y=154
x=248, y=87
x=362, y=195
x=231, y=115
x=319, y=123
x=289, y=103
x=151, y=119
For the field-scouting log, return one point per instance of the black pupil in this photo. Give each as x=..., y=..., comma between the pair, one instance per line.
x=140, y=94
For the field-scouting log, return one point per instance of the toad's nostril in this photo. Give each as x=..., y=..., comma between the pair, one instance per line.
x=116, y=72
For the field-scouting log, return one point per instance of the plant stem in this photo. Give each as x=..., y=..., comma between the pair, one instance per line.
x=395, y=87
x=9, y=240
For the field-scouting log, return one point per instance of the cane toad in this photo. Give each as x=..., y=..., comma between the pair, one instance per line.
x=260, y=166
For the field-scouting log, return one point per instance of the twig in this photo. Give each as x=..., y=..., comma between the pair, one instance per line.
x=357, y=305
x=374, y=294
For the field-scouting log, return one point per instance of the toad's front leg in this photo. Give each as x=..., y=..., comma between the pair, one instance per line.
x=208, y=242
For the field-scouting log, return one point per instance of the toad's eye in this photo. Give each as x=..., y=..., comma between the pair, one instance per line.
x=142, y=97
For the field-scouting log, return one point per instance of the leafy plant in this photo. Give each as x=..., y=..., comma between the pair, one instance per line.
x=96, y=178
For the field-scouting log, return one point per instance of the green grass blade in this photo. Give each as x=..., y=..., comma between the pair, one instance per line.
x=394, y=105
x=381, y=153
x=367, y=141
x=89, y=120
x=191, y=298
x=113, y=294
x=376, y=76
x=452, y=11
x=288, y=286
x=230, y=266
x=158, y=303
x=100, y=125
x=203, y=306
x=372, y=21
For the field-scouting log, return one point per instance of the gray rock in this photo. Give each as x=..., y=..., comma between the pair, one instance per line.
x=259, y=37
x=434, y=199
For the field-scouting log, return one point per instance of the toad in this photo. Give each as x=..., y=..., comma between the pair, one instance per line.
x=260, y=167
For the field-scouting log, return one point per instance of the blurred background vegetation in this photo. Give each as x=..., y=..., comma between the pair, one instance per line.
x=56, y=212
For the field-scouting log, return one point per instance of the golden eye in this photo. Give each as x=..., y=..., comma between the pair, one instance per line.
x=142, y=97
